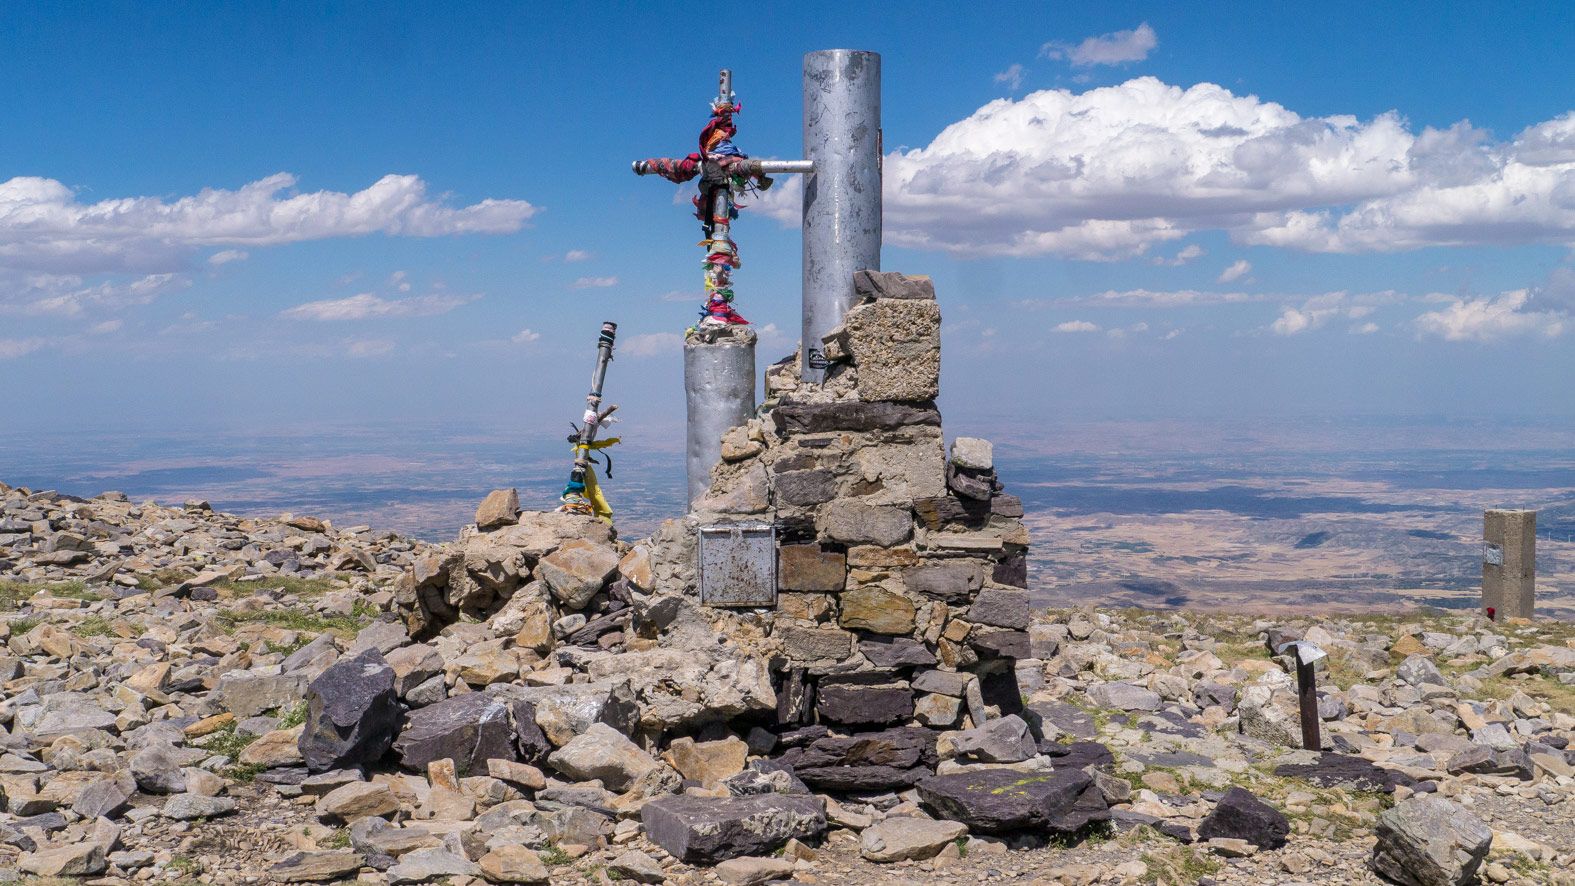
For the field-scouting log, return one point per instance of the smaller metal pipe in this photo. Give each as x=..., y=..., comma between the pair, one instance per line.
x=724, y=87
x=719, y=388
x=769, y=167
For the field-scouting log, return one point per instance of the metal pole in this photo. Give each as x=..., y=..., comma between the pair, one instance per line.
x=1307, y=696
x=842, y=194
x=719, y=386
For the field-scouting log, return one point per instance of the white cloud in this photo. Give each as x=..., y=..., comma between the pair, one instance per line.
x=1117, y=47
x=1187, y=254
x=1364, y=329
x=1177, y=298
x=1320, y=309
x=1076, y=326
x=11, y=348
x=64, y=295
x=369, y=347
x=1237, y=270
x=225, y=256
x=1491, y=319
x=525, y=337
x=105, y=328
x=366, y=306
x=650, y=344
x=400, y=281
x=1012, y=77
x=594, y=282
x=1113, y=171
x=44, y=227
x=575, y=255
x=678, y=295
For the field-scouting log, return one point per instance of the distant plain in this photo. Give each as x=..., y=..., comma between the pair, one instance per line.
x=1347, y=515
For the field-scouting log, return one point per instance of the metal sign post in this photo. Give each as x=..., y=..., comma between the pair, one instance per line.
x=1306, y=655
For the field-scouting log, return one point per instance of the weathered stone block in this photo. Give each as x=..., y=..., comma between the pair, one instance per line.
x=896, y=345
x=855, y=523
x=877, y=610
x=501, y=507
x=809, y=568
x=816, y=418
x=996, y=801
x=855, y=704
x=805, y=488
x=951, y=582
x=1000, y=607
x=812, y=644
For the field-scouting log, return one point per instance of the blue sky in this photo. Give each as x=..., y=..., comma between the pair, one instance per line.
x=220, y=214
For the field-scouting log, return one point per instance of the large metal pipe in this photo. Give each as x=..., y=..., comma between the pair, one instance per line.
x=842, y=196
x=719, y=387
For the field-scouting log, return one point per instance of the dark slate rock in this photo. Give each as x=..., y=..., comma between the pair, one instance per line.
x=352, y=713
x=1171, y=723
x=48, y=822
x=529, y=741
x=874, y=761
x=936, y=512
x=801, y=736
x=977, y=485
x=10, y=836
x=1483, y=760
x=1350, y=773
x=900, y=652
x=857, y=705
x=1006, y=506
x=1001, y=608
x=1211, y=694
x=104, y=799
x=1173, y=759
x=706, y=830
x=805, y=488
x=1012, y=571
x=998, y=801
x=1068, y=718
x=283, y=775
x=947, y=582
x=1000, y=643
x=1078, y=754
x=469, y=729
x=1240, y=815
x=816, y=418
x=890, y=284
x=795, y=697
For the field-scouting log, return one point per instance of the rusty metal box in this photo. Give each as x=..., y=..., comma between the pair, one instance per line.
x=738, y=565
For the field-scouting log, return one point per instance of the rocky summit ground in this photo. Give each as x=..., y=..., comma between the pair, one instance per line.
x=174, y=678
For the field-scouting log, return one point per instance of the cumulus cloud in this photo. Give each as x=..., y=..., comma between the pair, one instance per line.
x=1151, y=298
x=11, y=348
x=1115, y=48
x=1186, y=254
x=44, y=227
x=1012, y=77
x=1110, y=172
x=1318, y=310
x=594, y=282
x=650, y=344
x=575, y=255
x=1238, y=269
x=525, y=337
x=369, y=347
x=1491, y=318
x=366, y=306
x=65, y=295
x=1076, y=326
x=225, y=256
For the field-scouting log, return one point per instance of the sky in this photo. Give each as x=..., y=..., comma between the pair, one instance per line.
x=222, y=215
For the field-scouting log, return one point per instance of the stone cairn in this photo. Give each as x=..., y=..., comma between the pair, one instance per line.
x=901, y=607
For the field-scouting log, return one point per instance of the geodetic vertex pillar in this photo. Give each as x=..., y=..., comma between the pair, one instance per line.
x=719, y=388
x=842, y=195
x=1509, y=563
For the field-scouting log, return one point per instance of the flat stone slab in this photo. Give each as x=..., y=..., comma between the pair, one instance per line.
x=710, y=829
x=999, y=801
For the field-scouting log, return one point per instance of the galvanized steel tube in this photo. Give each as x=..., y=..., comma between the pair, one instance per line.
x=842, y=196
x=719, y=386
